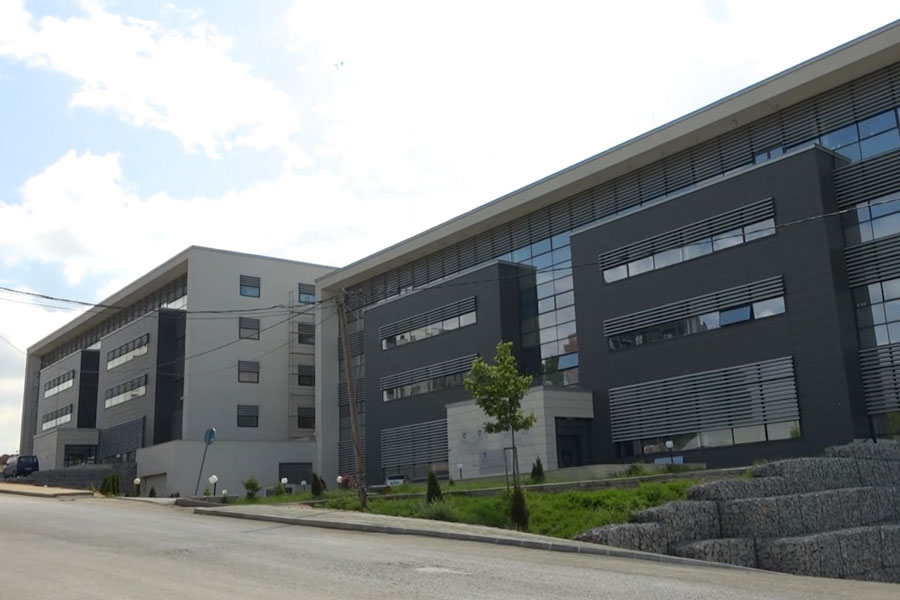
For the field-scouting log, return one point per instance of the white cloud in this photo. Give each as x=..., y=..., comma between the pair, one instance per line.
x=182, y=82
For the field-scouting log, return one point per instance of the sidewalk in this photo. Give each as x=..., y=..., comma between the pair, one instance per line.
x=296, y=514
x=23, y=489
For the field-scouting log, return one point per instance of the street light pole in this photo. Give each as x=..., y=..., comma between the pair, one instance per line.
x=670, y=445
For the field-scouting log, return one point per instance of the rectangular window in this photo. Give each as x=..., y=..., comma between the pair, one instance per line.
x=56, y=418
x=250, y=286
x=734, y=315
x=306, y=375
x=306, y=293
x=248, y=329
x=306, y=333
x=63, y=382
x=127, y=352
x=248, y=371
x=126, y=391
x=306, y=418
x=247, y=415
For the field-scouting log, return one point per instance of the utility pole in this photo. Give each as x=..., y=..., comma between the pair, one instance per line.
x=351, y=394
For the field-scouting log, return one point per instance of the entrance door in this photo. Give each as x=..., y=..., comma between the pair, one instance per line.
x=573, y=442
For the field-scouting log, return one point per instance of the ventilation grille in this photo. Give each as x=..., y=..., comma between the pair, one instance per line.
x=454, y=309
x=880, y=369
x=421, y=443
x=752, y=213
x=873, y=261
x=736, y=296
x=449, y=367
x=752, y=394
x=123, y=438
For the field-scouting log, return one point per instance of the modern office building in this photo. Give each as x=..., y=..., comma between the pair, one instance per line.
x=729, y=282
x=208, y=339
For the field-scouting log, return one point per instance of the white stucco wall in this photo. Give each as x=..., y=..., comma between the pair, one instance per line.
x=482, y=454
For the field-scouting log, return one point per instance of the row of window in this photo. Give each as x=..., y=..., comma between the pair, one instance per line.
x=430, y=330
x=872, y=220
x=711, y=439
x=127, y=352
x=250, y=286
x=248, y=416
x=418, y=388
x=63, y=382
x=698, y=324
x=124, y=392
x=696, y=249
x=56, y=418
x=878, y=313
x=864, y=139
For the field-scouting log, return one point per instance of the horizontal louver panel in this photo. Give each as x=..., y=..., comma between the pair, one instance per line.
x=752, y=213
x=247, y=410
x=880, y=369
x=752, y=394
x=126, y=348
x=126, y=387
x=867, y=180
x=347, y=455
x=736, y=296
x=250, y=281
x=421, y=443
x=123, y=438
x=359, y=388
x=248, y=323
x=306, y=328
x=357, y=344
x=307, y=288
x=449, y=367
x=248, y=366
x=454, y=309
x=873, y=261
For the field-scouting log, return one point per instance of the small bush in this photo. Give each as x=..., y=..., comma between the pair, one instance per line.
x=279, y=489
x=537, y=471
x=386, y=490
x=112, y=485
x=317, y=488
x=635, y=470
x=206, y=492
x=251, y=485
x=451, y=482
x=152, y=493
x=347, y=482
x=518, y=509
x=434, y=489
x=438, y=511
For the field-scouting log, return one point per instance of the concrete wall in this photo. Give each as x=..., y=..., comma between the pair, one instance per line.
x=212, y=391
x=481, y=453
x=50, y=447
x=174, y=466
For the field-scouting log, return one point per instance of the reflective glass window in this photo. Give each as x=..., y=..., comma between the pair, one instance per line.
x=547, y=304
x=747, y=435
x=467, y=319
x=667, y=258
x=450, y=324
x=877, y=124
x=850, y=152
x=641, y=265
x=710, y=321
x=562, y=254
x=567, y=361
x=890, y=289
x=564, y=315
x=883, y=142
x=783, y=431
x=565, y=330
x=560, y=240
x=894, y=332
x=563, y=285
x=547, y=319
x=544, y=261
x=759, y=230
x=521, y=254
x=544, y=290
x=548, y=335
x=540, y=247
x=879, y=208
x=734, y=315
x=566, y=299
x=768, y=308
x=615, y=273
x=719, y=437
x=840, y=137
x=698, y=248
x=728, y=239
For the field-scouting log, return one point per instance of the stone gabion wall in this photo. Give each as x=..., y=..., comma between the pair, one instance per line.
x=831, y=516
x=83, y=478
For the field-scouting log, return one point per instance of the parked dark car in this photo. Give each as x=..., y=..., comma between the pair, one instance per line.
x=20, y=466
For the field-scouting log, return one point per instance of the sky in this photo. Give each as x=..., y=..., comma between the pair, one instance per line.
x=325, y=131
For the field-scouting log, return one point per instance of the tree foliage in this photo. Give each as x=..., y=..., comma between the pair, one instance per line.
x=498, y=389
x=537, y=471
x=433, y=491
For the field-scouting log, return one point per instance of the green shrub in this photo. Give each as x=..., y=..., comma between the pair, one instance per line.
x=251, y=485
x=152, y=493
x=279, y=489
x=537, y=471
x=434, y=489
x=112, y=485
x=207, y=492
x=518, y=509
x=635, y=470
x=317, y=487
x=438, y=511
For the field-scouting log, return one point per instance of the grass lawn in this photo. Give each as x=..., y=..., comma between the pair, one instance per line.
x=561, y=514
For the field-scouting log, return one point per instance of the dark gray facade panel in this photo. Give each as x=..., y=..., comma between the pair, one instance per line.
x=460, y=364
x=419, y=443
x=698, y=305
x=87, y=389
x=818, y=329
x=121, y=438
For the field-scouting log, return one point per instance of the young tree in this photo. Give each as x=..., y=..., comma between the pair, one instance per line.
x=498, y=389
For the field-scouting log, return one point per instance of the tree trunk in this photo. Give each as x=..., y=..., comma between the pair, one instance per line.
x=515, y=458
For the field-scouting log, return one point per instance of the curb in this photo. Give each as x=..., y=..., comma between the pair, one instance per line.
x=536, y=544
x=68, y=493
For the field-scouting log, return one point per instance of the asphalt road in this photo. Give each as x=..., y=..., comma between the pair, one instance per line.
x=99, y=548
